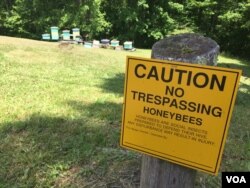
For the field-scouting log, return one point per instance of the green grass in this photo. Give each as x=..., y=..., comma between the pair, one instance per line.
x=60, y=118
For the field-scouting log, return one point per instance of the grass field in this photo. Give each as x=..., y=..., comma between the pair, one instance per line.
x=60, y=118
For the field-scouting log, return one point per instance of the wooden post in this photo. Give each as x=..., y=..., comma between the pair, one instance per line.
x=190, y=48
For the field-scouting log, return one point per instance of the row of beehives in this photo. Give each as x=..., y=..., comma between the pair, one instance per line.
x=106, y=43
x=54, y=35
x=76, y=37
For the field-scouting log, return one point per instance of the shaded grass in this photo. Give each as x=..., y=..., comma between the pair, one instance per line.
x=60, y=118
x=38, y=152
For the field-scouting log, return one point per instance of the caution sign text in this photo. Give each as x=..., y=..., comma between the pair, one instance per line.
x=177, y=111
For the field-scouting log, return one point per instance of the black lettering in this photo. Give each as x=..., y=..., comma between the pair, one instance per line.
x=217, y=111
x=134, y=94
x=198, y=121
x=198, y=108
x=178, y=117
x=142, y=96
x=199, y=76
x=199, y=80
x=136, y=70
x=159, y=112
x=185, y=118
x=179, y=92
x=173, y=103
x=183, y=105
x=152, y=111
x=163, y=75
x=165, y=100
x=192, y=107
x=189, y=78
x=206, y=109
x=150, y=98
x=157, y=100
x=172, y=115
x=153, y=73
x=165, y=114
x=192, y=120
x=219, y=84
x=180, y=74
x=146, y=110
x=168, y=90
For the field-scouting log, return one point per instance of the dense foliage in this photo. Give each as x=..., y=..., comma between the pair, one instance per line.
x=143, y=21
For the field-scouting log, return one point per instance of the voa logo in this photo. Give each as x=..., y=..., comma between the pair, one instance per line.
x=236, y=179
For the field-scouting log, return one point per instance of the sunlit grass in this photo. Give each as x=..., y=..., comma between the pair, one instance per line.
x=60, y=114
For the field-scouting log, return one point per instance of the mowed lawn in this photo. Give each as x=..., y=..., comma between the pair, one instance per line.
x=60, y=118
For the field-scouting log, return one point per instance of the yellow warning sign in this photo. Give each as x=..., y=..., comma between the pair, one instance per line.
x=177, y=111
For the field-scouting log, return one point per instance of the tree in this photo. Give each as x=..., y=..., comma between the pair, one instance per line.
x=142, y=21
x=233, y=28
x=226, y=21
x=31, y=18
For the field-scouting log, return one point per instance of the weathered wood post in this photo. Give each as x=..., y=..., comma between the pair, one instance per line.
x=190, y=48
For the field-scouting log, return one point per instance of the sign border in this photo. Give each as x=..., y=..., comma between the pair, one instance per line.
x=226, y=126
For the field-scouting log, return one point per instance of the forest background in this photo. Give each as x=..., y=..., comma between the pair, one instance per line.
x=141, y=21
